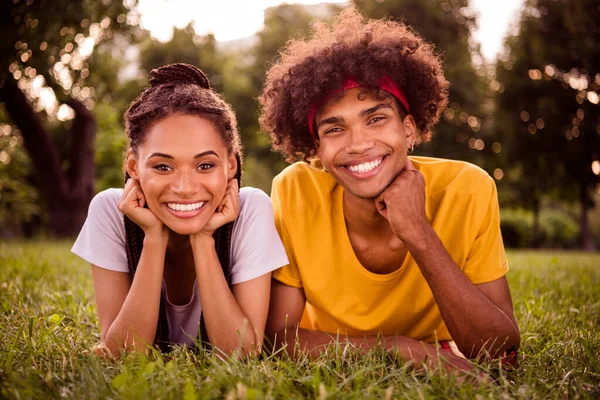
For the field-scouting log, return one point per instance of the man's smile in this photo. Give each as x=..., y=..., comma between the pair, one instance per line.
x=365, y=168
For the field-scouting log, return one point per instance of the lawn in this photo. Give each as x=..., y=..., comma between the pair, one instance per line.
x=48, y=323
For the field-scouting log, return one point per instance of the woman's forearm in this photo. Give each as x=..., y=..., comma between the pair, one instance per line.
x=135, y=325
x=227, y=326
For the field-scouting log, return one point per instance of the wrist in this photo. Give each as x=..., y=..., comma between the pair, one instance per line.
x=156, y=238
x=421, y=238
x=202, y=241
x=407, y=349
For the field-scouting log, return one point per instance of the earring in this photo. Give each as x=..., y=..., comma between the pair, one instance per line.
x=412, y=147
x=325, y=169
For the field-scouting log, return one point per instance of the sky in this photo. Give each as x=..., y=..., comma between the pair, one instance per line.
x=234, y=19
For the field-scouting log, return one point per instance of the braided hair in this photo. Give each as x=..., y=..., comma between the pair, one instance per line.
x=179, y=88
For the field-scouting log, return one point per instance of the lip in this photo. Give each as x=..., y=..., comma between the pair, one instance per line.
x=185, y=214
x=364, y=175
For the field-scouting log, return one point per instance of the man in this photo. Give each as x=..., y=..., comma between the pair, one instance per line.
x=385, y=249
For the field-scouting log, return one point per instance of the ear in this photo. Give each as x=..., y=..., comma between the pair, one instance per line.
x=131, y=165
x=410, y=127
x=231, y=166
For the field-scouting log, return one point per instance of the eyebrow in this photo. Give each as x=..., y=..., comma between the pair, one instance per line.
x=163, y=155
x=336, y=119
x=374, y=109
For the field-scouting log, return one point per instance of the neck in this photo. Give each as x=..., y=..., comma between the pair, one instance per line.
x=178, y=244
x=362, y=216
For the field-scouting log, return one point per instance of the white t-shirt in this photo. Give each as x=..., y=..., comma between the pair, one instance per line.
x=256, y=249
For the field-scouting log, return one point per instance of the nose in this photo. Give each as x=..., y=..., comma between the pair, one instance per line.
x=359, y=141
x=185, y=183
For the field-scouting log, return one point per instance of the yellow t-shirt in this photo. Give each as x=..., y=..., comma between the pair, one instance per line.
x=341, y=295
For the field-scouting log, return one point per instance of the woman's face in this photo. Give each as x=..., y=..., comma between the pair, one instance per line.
x=183, y=167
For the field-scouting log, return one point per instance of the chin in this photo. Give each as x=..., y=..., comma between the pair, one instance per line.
x=365, y=194
x=186, y=229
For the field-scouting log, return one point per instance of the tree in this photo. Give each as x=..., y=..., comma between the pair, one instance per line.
x=281, y=23
x=549, y=104
x=47, y=53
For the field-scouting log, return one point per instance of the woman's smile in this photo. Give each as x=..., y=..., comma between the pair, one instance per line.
x=185, y=210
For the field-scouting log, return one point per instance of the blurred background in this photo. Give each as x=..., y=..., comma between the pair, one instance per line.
x=525, y=78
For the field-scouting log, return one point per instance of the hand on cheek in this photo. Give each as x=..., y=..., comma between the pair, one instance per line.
x=226, y=212
x=132, y=204
x=402, y=203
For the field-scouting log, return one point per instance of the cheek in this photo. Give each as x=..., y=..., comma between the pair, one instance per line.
x=326, y=153
x=216, y=182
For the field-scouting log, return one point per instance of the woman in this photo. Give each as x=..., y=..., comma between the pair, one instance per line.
x=181, y=253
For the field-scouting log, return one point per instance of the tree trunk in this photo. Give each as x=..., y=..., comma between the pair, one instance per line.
x=586, y=237
x=67, y=195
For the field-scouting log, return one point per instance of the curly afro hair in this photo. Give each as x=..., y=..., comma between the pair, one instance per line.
x=365, y=50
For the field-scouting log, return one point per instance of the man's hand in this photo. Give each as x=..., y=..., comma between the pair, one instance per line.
x=431, y=357
x=402, y=203
x=132, y=205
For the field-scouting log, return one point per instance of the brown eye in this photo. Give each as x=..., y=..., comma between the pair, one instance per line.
x=205, y=166
x=162, y=167
x=376, y=119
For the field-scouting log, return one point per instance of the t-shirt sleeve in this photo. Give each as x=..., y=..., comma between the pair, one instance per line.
x=289, y=274
x=256, y=246
x=486, y=260
x=102, y=239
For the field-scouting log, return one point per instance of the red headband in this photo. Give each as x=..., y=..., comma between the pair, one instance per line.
x=385, y=84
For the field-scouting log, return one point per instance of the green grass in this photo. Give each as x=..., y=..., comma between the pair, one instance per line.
x=48, y=323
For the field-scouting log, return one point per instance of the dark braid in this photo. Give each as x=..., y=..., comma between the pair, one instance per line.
x=179, y=88
x=222, y=238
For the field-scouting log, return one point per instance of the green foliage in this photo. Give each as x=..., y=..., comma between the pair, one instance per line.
x=184, y=47
x=48, y=323
x=557, y=228
x=19, y=203
x=516, y=226
x=110, y=148
x=545, y=112
x=244, y=81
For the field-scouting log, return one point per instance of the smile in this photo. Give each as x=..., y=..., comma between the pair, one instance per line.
x=185, y=207
x=365, y=167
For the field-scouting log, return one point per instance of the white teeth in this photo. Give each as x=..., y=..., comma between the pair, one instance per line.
x=185, y=207
x=365, y=167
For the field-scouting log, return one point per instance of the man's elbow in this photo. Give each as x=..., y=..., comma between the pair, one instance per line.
x=496, y=346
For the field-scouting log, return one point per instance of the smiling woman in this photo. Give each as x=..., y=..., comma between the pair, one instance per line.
x=181, y=255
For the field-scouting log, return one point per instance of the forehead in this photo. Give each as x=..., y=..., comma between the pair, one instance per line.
x=354, y=101
x=181, y=133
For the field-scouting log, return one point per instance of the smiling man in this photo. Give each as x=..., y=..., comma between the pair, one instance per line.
x=384, y=249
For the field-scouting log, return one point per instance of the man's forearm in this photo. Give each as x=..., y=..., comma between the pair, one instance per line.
x=473, y=320
x=297, y=341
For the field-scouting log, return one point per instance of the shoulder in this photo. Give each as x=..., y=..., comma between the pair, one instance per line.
x=303, y=184
x=250, y=196
x=106, y=202
x=254, y=203
x=443, y=175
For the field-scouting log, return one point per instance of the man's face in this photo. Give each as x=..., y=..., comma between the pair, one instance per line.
x=363, y=141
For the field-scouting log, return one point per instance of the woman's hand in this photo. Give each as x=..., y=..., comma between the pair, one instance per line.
x=227, y=211
x=132, y=205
